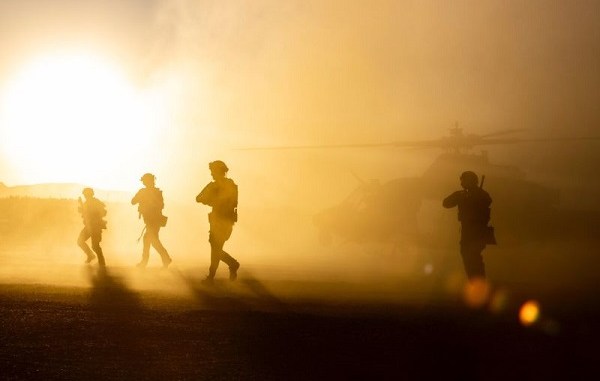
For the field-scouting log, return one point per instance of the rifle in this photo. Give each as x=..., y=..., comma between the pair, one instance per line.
x=482, y=180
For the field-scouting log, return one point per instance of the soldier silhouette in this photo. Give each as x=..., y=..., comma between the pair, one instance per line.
x=93, y=212
x=222, y=195
x=150, y=205
x=474, y=214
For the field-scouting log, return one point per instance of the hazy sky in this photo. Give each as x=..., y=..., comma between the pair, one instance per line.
x=167, y=86
x=252, y=73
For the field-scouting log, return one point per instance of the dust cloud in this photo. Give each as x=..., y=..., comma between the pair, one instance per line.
x=265, y=73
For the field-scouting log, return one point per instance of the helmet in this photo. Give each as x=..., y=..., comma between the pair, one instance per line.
x=148, y=176
x=469, y=177
x=218, y=165
x=88, y=192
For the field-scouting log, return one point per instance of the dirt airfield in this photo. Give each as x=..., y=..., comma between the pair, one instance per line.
x=126, y=324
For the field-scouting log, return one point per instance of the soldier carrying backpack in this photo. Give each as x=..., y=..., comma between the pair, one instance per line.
x=150, y=205
x=222, y=195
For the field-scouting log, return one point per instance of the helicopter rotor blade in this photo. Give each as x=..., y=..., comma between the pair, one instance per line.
x=563, y=139
x=536, y=140
x=424, y=143
x=480, y=142
x=316, y=146
x=444, y=143
x=502, y=132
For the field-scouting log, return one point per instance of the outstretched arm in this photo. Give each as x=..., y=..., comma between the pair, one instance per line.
x=453, y=200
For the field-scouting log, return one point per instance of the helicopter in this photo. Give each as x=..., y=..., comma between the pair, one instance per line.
x=390, y=212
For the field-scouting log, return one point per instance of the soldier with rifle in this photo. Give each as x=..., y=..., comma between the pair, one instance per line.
x=93, y=212
x=474, y=214
x=222, y=195
x=150, y=205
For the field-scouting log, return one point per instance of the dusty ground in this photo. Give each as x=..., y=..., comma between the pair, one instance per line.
x=114, y=329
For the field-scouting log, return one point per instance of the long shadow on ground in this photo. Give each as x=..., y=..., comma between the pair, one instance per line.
x=247, y=294
x=112, y=335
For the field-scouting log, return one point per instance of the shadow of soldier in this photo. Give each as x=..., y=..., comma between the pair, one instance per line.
x=264, y=298
x=110, y=294
x=213, y=295
x=118, y=330
x=244, y=295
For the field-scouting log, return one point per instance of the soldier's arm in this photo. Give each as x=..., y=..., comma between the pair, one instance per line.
x=453, y=200
x=204, y=196
x=136, y=198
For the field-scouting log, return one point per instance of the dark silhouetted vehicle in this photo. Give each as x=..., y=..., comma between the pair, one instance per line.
x=389, y=212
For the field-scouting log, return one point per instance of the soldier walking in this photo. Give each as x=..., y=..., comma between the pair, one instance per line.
x=150, y=205
x=474, y=214
x=222, y=195
x=93, y=212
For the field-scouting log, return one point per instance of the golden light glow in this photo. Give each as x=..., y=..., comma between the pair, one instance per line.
x=76, y=117
x=529, y=312
x=499, y=301
x=476, y=293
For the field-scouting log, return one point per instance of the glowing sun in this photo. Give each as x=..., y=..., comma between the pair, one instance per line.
x=77, y=118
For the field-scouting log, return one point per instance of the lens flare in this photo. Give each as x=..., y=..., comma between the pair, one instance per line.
x=476, y=293
x=529, y=313
x=499, y=301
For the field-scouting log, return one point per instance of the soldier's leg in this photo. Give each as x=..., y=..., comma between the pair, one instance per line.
x=228, y=259
x=216, y=249
x=224, y=232
x=96, y=238
x=146, y=248
x=158, y=246
x=232, y=263
x=84, y=235
x=472, y=259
